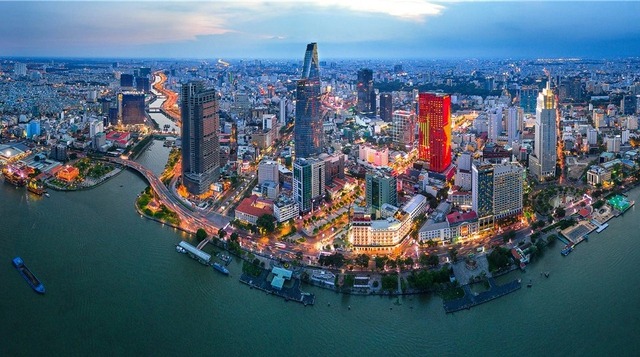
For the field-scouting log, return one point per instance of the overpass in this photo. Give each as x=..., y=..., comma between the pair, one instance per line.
x=190, y=220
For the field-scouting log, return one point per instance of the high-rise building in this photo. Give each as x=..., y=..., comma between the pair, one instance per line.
x=496, y=191
x=132, y=108
x=386, y=107
x=628, y=104
x=528, y=95
x=366, y=105
x=508, y=182
x=144, y=71
x=482, y=190
x=542, y=162
x=514, y=117
x=308, y=183
x=267, y=171
x=95, y=127
x=200, y=145
x=380, y=189
x=126, y=80
x=434, y=125
x=403, y=129
x=308, y=130
x=20, y=69
x=142, y=84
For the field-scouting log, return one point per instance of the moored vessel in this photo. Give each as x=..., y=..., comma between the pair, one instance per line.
x=220, y=268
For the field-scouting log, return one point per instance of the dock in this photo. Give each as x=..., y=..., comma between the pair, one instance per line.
x=471, y=299
x=288, y=293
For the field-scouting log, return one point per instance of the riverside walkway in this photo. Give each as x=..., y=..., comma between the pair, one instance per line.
x=470, y=299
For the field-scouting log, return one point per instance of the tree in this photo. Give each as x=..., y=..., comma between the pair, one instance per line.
x=454, y=255
x=234, y=237
x=431, y=243
x=380, y=261
x=560, y=212
x=266, y=221
x=222, y=233
x=201, y=234
x=362, y=260
x=408, y=261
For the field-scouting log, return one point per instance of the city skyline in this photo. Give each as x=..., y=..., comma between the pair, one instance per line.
x=375, y=29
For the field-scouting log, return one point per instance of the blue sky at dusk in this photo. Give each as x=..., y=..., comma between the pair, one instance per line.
x=343, y=29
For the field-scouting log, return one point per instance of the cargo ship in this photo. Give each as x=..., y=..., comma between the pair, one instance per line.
x=35, y=187
x=220, y=268
x=35, y=284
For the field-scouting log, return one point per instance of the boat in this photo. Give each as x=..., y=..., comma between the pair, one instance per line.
x=15, y=174
x=35, y=284
x=46, y=194
x=220, y=268
x=179, y=249
x=567, y=249
x=530, y=283
x=35, y=187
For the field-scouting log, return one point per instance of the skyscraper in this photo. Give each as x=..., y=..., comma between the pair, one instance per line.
x=380, y=189
x=386, y=107
x=496, y=191
x=308, y=182
x=132, y=108
x=366, y=96
x=200, y=145
x=402, y=130
x=514, y=117
x=308, y=132
x=434, y=125
x=542, y=162
x=126, y=80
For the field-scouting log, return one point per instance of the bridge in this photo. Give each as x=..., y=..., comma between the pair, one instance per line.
x=190, y=219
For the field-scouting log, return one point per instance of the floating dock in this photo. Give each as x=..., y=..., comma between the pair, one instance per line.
x=195, y=253
x=471, y=299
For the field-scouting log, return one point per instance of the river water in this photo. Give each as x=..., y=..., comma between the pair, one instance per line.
x=160, y=118
x=116, y=286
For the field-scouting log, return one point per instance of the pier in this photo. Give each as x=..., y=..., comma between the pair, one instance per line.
x=292, y=292
x=471, y=299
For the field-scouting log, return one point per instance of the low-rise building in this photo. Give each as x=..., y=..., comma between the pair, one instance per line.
x=383, y=235
x=252, y=208
x=68, y=173
x=285, y=208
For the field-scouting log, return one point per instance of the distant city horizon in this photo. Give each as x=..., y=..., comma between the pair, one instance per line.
x=276, y=30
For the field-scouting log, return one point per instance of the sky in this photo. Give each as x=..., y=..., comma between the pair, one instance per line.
x=363, y=29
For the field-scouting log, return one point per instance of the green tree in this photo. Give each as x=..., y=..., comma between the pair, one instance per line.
x=234, y=237
x=266, y=221
x=362, y=260
x=222, y=233
x=201, y=234
x=380, y=261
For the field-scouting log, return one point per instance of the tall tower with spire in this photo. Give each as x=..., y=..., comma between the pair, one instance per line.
x=308, y=132
x=542, y=162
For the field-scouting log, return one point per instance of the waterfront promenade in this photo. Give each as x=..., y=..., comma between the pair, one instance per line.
x=471, y=299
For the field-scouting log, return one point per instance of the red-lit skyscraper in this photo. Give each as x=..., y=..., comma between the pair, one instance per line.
x=434, y=126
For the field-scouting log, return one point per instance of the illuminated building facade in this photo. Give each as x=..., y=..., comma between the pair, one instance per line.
x=402, y=129
x=200, y=145
x=308, y=131
x=542, y=163
x=386, y=106
x=434, y=125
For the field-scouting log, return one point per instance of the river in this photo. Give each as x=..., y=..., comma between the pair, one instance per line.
x=160, y=118
x=116, y=286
